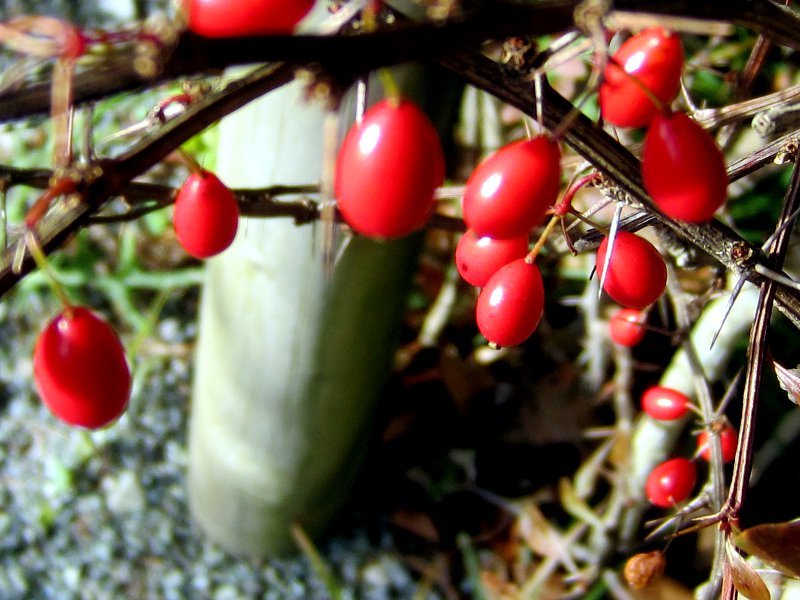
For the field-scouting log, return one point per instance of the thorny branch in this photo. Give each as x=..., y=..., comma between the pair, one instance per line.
x=599, y=148
x=360, y=53
x=622, y=167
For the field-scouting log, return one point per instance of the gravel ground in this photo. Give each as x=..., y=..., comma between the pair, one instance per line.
x=104, y=514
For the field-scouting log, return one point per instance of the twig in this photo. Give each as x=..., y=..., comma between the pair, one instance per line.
x=110, y=177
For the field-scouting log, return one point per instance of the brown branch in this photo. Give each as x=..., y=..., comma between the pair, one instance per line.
x=756, y=354
x=354, y=54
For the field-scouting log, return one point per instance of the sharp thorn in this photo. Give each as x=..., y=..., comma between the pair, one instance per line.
x=734, y=294
x=612, y=236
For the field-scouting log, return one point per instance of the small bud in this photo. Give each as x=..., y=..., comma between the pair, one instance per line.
x=644, y=569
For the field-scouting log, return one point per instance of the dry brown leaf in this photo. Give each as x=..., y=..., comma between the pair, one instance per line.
x=776, y=544
x=789, y=380
x=744, y=577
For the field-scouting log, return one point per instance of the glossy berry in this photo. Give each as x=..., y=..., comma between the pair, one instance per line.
x=478, y=258
x=239, y=18
x=80, y=369
x=626, y=327
x=671, y=482
x=728, y=438
x=206, y=215
x=511, y=304
x=683, y=169
x=388, y=169
x=636, y=274
x=654, y=57
x=665, y=404
x=511, y=190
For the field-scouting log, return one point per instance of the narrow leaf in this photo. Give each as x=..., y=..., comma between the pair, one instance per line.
x=577, y=507
x=744, y=577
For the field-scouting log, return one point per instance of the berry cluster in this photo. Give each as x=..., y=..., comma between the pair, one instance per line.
x=671, y=482
x=506, y=196
x=682, y=168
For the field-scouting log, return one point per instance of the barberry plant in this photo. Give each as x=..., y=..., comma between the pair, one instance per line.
x=393, y=175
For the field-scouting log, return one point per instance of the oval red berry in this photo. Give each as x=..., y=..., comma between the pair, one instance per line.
x=511, y=190
x=239, y=18
x=655, y=58
x=636, y=274
x=671, y=482
x=665, y=404
x=683, y=169
x=206, y=215
x=728, y=439
x=388, y=169
x=80, y=369
x=478, y=258
x=626, y=327
x=511, y=304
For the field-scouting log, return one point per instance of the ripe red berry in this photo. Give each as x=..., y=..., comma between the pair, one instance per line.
x=665, y=404
x=728, y=438
x=511, y=304
x=388, y=169
x=683, y=169
x=206, y=215
x=636, y=274
x=626, y=327
x=80, y=369
x=478, y=258
x=655, y=58
x=510, y=191
x=239, y=18
x=671, y=482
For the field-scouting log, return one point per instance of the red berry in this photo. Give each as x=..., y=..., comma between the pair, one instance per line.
x=511, y=304
x=388, y=169
x=655, y=58
x=206, y=215
x=671, y=482
x=510, y=191
x=636, y=274
x=683, y=169
x=80, y=369
x=239, y=18
x=728, y=439
x=626, y=327
x=478, y=258
x=665, y=404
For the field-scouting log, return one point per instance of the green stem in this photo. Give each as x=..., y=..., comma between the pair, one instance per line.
x=44, y=266
x=390, y=88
